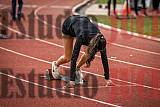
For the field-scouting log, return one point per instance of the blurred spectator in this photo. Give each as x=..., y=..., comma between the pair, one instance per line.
x=114, y=7
x=136, y=7
x=19, y=14
x=155, y=4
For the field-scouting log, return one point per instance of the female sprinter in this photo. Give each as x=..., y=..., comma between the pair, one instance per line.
x=86, y=34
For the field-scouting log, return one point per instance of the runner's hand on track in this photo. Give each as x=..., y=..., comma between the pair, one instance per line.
x=110, y=83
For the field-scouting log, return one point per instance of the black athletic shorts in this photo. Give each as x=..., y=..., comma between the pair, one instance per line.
x=67, y=29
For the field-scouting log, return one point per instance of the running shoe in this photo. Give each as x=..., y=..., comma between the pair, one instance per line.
x=55, y=71
x=79, y=77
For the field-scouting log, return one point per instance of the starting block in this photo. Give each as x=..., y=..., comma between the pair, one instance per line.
x=48, y=76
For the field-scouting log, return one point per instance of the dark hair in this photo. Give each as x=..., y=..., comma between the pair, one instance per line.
x=97, y=43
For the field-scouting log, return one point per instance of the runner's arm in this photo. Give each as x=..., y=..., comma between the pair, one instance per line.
x=74, y=58
x=105, y=63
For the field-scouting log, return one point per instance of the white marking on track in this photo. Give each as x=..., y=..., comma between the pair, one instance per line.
x=82, y=52
x=50, y=43
x=119, y=45
x=61, y=7
x=4, y=7
x=36, y=6
x=136, y=49
x=21, y=54
x=103, y=86
x=54, y=89
x=131, y=55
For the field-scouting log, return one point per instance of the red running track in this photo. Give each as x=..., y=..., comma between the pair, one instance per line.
x=134, y=66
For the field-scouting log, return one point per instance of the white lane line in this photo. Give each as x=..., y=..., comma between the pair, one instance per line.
x=137, y=49
x=36, y=16
x=50, y=43
x=119, y=45
x=129, y=63
x=24, y=6
x=54, y=89
x=21, y=54
x=61, y=7
x=103, y=86
x=30, y=6
x=36, y=6
x=62, y=46
x=4, y=7
x=134, y=34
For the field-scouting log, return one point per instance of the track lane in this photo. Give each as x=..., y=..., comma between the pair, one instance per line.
x=119, y=70
x=114, y=90
x=125, y=72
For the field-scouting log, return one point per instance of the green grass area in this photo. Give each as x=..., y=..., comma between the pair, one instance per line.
x=105, y=1
x=145, y=25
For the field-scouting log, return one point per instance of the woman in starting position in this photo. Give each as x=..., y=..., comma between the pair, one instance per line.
x=86, y=34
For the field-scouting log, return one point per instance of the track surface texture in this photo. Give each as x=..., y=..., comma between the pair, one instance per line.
x=35, y=42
